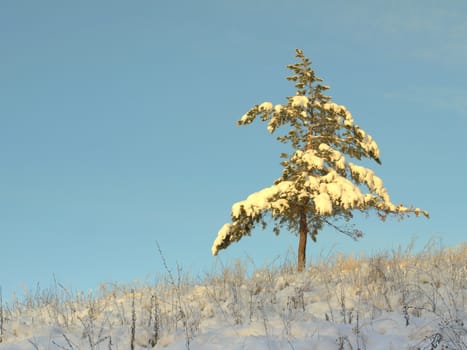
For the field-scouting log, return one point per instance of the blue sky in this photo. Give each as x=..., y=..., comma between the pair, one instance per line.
x=118, y=126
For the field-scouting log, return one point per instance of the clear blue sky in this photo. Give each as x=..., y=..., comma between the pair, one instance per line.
x=118, y=126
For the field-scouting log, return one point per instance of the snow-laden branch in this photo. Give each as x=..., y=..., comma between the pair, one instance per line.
x=298, y=106
x=328, y=194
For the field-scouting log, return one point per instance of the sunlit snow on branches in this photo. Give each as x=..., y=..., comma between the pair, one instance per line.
x=317, y=183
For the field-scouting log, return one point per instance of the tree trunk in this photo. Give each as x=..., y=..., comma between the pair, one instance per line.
x=303, y=229
x=302, y=242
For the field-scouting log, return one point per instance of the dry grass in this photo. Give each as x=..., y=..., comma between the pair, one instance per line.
x=430, y=284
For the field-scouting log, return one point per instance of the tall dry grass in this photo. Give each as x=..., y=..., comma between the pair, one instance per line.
x=340, y=289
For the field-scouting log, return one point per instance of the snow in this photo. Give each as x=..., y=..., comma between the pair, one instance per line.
x=323, y=204
x=361, y=133
x=272, y=124
x=299, y=101
x=340, y=163
x=278, y=108
x=266, y=107
x=368, y=177
x=221, y=237
x=388, y=302
x=261, y=200
x=348, y=121
x=368, y=144
x=310, y=157
x=334, y=190
x=335, y=156
x=244, y=118
x=342, y=191
x=344, y=115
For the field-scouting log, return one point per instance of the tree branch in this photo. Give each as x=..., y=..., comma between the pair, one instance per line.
x=355, y=234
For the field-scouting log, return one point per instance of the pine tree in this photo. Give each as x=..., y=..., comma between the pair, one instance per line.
x=318, y=185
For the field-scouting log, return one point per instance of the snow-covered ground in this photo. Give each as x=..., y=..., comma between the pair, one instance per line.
x=391, y=301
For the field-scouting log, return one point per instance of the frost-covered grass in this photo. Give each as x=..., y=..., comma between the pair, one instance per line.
x=396, y=300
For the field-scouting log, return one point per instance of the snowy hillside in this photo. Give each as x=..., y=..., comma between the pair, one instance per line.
x=391, y=301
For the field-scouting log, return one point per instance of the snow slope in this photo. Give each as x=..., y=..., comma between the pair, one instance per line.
x=390, y=301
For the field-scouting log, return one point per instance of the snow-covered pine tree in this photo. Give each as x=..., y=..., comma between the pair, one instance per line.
x=318, y=186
